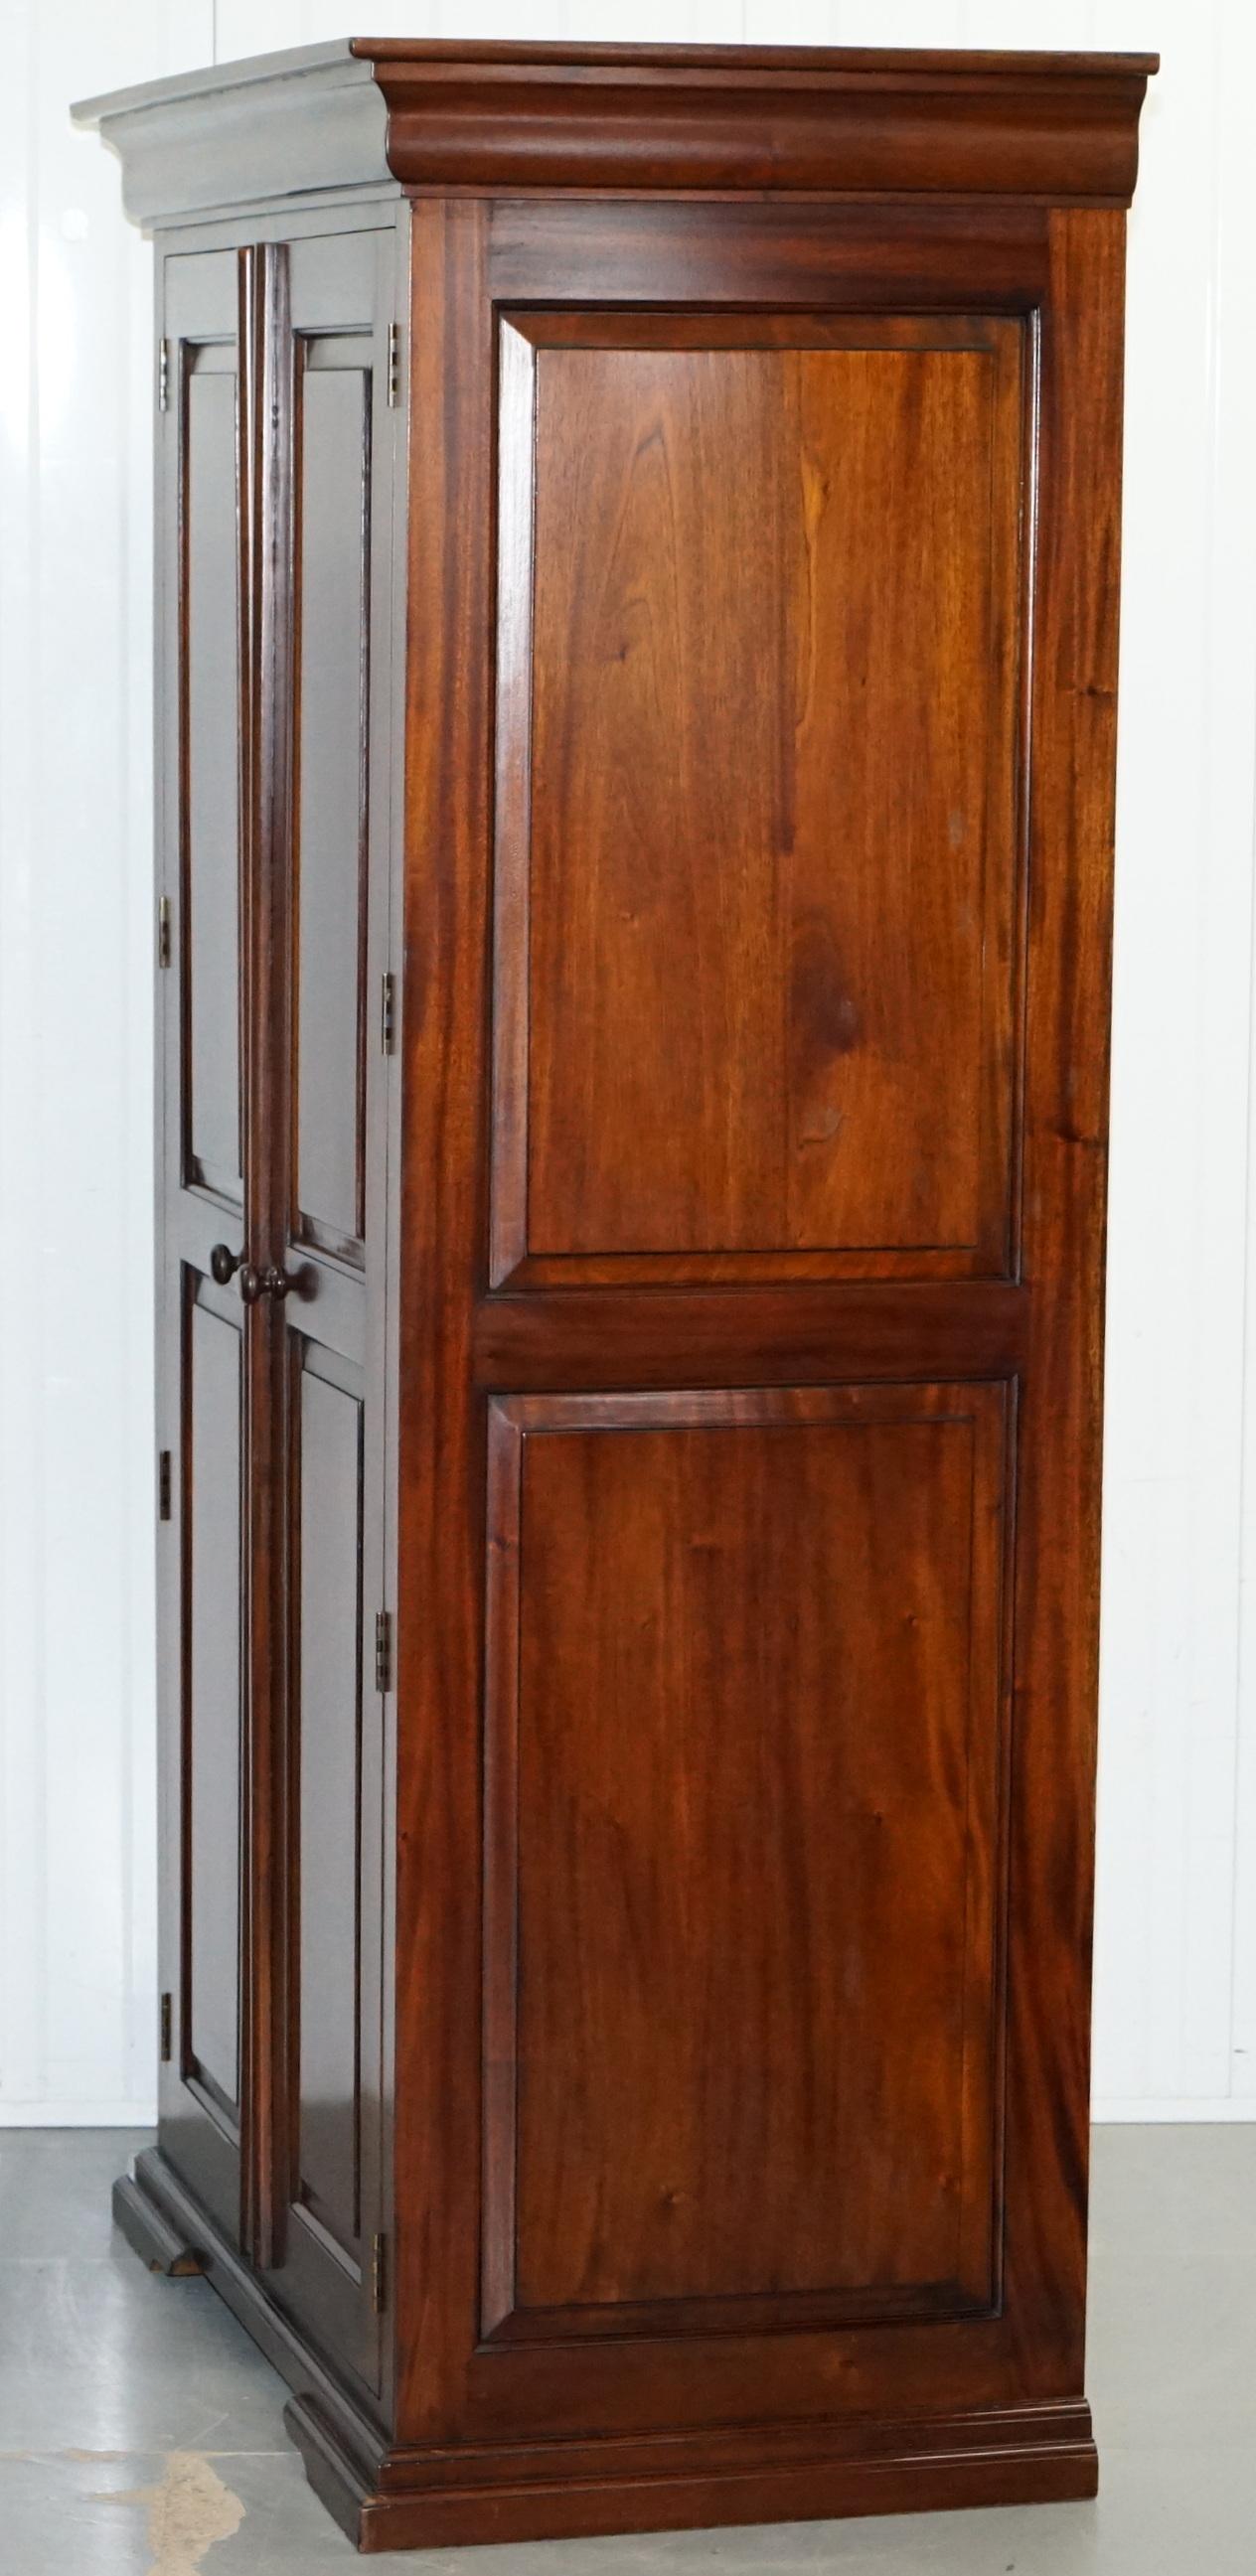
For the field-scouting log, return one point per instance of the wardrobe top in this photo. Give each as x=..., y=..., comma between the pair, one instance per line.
x=368, y=114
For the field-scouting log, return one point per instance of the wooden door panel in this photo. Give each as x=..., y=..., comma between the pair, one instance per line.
x=212, y=1709
x=333, y=1800
x=211, y=2019
x=202, y=1585
x=333, y=630
x=333, y=902
x=758, y=828
x=744, y=1761
x=209, y=623
x=276, y=2119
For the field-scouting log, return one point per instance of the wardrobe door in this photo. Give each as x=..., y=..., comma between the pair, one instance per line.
x=201, y=1321
x=327, y=2268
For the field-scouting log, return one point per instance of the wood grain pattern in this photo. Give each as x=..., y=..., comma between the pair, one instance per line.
x=732, y=1638
x=793, y=1335
x=500, y=116
x=1066, y=1141
x=770, y=846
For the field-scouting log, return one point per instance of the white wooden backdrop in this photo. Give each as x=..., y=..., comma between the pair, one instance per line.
x=1176, y=1961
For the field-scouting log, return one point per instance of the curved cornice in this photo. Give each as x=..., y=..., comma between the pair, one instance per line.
x=1061, y=128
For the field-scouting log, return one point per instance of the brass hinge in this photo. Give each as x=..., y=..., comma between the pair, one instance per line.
x=163, y=1486
x=163, y=931
x=387, y=1015
x=163, y=375
x=379, y=2275
x=167, y=2030
x=394, y=363
x=383, y=1651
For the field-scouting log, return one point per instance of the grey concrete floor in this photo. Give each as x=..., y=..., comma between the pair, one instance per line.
x=141, y=2434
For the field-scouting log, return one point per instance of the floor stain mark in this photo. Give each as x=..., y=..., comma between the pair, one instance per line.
x=188, y=2511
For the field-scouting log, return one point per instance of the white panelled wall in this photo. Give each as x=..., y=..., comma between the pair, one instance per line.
x=1175, y=2028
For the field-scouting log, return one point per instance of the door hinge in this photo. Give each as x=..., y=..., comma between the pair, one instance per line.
x=167, y=2030
x=394, y=363
x=383, y=1651
x=163, y=931
x=387, y=1015
x=379, y=2275
x=163, y=1485
x=163, y=375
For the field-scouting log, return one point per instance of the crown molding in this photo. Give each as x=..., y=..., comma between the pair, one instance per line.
x=1058, y=128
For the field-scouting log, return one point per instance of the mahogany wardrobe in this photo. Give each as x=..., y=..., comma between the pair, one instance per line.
x=637, y=565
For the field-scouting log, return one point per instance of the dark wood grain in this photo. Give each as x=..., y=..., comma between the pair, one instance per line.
x=1066, y=1138
x=730, y=1637
x=793, y=1335
x=548, y=116
x=770, y=852
x=678, y=1968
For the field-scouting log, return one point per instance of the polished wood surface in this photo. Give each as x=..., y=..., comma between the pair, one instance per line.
x=767, y=713
x=784, y=117
x=736, y=1643
x=629, y=1610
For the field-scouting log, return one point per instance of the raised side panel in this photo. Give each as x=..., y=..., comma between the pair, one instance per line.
x=327, y=1582
x=758, y=848
x=209, y=630
x=333, y=456
x=213, y=1704
x=744, y=1780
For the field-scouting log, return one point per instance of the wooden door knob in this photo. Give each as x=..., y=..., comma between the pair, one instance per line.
x=270, y=1282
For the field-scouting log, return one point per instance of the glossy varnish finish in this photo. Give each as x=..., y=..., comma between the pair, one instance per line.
x=742, y=1642
x=631, y=2065
x=814, y=946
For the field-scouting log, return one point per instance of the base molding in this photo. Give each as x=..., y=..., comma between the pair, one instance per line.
x=391, y=2497
x=149, y=2232
x=377, y=2517
x=160, y=2191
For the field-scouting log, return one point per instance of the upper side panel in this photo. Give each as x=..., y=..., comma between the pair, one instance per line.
x=759, y=818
